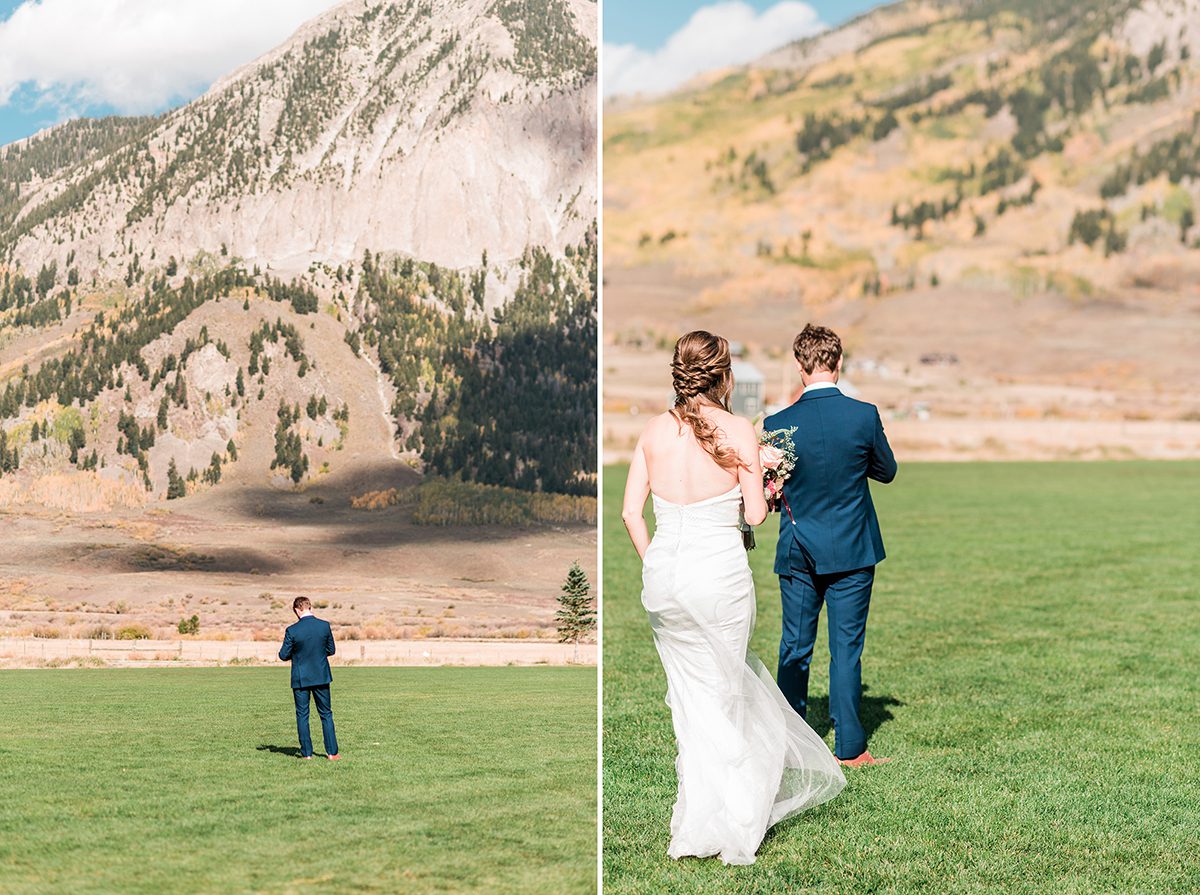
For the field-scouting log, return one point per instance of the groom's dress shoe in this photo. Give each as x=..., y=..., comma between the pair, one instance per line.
x=306, y=757
x=862, y=760
x=334, y=757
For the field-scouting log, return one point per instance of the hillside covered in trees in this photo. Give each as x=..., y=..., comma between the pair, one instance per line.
x=501, y=394
x=926, y=141
x=995, y=203
x=320, y=257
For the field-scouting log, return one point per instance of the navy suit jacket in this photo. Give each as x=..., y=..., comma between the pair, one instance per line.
x=839, y=445
x=309, y=644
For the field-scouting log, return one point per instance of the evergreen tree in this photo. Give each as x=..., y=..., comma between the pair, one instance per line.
x=212, y=475
x=175, y=485
x=577, y=615
x=10, y=458
x=76, y=441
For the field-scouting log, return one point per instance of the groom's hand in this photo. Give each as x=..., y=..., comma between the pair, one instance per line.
x=285, y=651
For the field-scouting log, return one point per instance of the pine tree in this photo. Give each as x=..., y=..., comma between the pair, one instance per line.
x=577, y=617
x=212, y=475
x=76, y=441
x=176, y=487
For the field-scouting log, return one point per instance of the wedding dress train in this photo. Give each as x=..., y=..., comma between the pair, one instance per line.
x=746, y=759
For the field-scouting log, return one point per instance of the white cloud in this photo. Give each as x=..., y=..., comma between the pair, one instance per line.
x=137, y=56
x=726, y=33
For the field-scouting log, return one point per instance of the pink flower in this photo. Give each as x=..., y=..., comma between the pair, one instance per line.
x=770, y=455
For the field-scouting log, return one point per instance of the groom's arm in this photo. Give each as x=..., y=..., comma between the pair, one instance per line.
x=882, y=463
x=285, y=651
x=330, y=646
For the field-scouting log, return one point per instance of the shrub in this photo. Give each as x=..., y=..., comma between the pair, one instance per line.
x=449, y=502
x=133, y=632
x=45, y=632
x=189, y=625
x=378, y=500
x=100, y=632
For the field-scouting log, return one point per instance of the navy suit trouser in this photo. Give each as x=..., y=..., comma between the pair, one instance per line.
x=320, y=695
x=848, y=597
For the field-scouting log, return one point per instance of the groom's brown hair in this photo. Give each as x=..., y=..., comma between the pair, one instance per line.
x=817, y=347
x=301, y=603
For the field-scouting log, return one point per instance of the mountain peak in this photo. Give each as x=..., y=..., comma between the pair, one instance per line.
x=433, y=128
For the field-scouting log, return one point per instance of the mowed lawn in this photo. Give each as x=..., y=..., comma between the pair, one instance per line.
x=1032, y=665
x=185, y=781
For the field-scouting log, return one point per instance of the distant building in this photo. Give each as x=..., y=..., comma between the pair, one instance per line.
x=748, y=388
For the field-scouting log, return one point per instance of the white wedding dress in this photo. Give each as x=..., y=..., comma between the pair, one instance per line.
x=746, y=759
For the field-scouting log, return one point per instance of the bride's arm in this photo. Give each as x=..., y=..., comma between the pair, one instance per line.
x=750, y=474
x=637, y=489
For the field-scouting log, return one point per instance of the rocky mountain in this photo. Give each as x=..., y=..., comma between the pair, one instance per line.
x=996, y=200
x=436, y=128
x=369, y=251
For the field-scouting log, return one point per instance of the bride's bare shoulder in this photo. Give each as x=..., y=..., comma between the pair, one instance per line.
x=659, y=424
x=730, y=423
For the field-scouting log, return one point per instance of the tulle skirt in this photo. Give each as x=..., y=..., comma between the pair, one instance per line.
x=746, y=760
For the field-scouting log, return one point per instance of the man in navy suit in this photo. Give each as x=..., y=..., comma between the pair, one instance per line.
x=309, y=644
x=829, y=540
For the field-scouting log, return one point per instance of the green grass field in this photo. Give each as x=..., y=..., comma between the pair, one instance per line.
x=168, y=781
x=1031, y=665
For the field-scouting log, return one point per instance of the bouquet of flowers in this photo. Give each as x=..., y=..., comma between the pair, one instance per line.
x=778, y=458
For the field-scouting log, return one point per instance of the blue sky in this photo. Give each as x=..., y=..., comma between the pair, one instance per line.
x=648, y=24
x=63, y=58
x=14, y=121
x=653, y=47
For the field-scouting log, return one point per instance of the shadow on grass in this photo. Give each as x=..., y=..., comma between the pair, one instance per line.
x=292, y=751
x=875, y=711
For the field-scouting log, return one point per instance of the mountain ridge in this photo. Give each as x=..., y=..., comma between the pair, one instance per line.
x=400, y=115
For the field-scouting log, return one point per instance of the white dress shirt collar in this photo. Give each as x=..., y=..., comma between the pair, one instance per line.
x=812, y=387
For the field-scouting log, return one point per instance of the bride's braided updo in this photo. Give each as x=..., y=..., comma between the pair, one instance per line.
x=702, y=373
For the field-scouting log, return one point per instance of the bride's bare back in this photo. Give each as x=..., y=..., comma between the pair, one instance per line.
x=679, y=469
x=669, y=461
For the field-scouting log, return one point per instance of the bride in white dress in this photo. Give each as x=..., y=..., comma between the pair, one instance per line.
x=746, y=759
